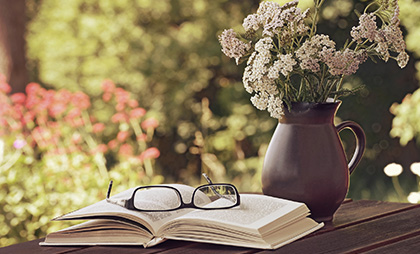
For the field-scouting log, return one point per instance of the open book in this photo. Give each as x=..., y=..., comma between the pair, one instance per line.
x=259, y=222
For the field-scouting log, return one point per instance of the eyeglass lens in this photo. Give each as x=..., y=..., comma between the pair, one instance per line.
x=220, y=196
x=156, y=198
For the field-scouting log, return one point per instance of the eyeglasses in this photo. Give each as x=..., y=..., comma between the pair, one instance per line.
x=161, y=198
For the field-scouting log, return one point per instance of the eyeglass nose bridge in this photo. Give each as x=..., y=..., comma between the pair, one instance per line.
x=187, y=205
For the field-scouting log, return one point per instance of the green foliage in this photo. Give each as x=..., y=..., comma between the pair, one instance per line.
x=410, y=18
x=164, y=52
x=150, y=47
x=406, y=123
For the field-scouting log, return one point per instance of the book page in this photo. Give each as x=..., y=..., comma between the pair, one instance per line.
x=94, y=232
x=151, y=220
x=253, y=215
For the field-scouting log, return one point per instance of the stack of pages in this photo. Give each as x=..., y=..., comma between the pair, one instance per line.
x=259, y=222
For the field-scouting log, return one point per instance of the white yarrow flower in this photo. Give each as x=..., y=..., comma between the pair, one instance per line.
x=402, y=59
x=393, y=169
x=260, y=102
x=275, y=107
x=415, y=168
x=233, y=47
x=414, y=197
x=252, y=22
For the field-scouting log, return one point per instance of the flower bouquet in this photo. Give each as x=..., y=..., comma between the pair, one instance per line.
x=287, y=61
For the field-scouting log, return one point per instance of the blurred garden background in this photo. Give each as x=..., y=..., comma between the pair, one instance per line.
x=138, y=91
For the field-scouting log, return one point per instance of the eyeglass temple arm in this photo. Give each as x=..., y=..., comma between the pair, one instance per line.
x=207, y=178
x=214, y=190
x=211, y=187
x=120, y=202
x=108, y=193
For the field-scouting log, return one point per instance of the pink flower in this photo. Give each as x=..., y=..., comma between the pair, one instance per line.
x=126, y=150
x=19, y=143
x=150, y=123
x=18, y=110
x=56, y=109
x=150, y=153
x=142, y=137
x=47, y=100
x=107, y=96
x=137, y=113
x=41, y=119
x=75, y=112
x=5, y=88
x=122, y=136
x=77, y=122
x=112, y=144
x=31, y=101
x=63, y=96
x=98, y=127
x=102, y=148
x=119, y=117
x=122, y=95
x=28, y=117
x=133, y=103
x=32, y=88
x=120, y=106
x=81, y=100
x=108, y=86
x=18, y=98
x=54, y=126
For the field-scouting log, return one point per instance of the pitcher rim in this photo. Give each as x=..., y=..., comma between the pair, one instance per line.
x=307, y=112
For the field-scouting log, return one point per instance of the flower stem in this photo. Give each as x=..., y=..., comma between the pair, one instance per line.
x=340, y=84
x=137, y=130
x=148, y=167
x=318, y=4
x=302, y=83
x=398, y=188
x=12, y=160
x=99, y=158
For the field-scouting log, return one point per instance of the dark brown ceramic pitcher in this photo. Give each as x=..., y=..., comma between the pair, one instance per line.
x=305, y=160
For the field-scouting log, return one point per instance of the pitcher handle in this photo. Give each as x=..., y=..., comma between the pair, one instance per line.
x=360, y=142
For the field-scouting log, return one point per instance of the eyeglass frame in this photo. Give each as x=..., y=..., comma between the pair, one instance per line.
x=129, y=203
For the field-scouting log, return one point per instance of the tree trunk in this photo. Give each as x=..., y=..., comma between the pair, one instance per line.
x=12, y=43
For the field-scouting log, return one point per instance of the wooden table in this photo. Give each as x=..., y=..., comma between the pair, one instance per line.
x=358, y=227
